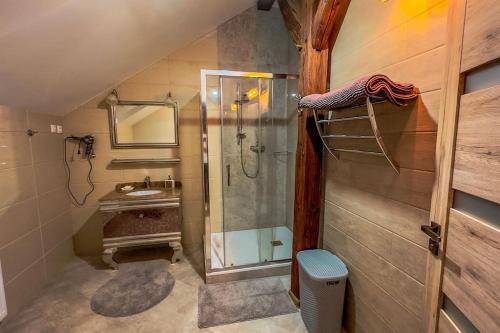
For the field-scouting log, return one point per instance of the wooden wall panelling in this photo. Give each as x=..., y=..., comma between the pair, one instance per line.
x=412, y=187
x=423, y=70
x=361, y=26
x=441, y=194
x=481, y=43
x=446, y=324
x=368, y=206
x=419, y=116
x=477, y=156
x=400, y=218
x=472, y=278
x=395, y=282
x=384, y=305
x=411, y=150
x=361, y=318
x=403, y=254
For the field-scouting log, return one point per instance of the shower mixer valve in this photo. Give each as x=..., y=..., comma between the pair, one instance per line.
x=240, y=136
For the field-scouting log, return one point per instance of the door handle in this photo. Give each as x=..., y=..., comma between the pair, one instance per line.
x=434, y=233
x=228, y=168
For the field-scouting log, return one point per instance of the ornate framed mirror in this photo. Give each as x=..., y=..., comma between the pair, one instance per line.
x=144, y=124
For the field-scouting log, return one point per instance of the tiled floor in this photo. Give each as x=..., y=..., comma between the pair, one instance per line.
x=63, y=306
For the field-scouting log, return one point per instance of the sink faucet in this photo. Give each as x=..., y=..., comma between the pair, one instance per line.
x=147, y=182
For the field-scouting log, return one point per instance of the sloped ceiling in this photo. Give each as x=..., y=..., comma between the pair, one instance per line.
x=57, y=54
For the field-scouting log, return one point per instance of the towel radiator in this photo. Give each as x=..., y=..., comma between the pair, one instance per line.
x=321, y=126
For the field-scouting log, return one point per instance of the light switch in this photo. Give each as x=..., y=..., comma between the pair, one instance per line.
x=59, y=129
x=53, y=128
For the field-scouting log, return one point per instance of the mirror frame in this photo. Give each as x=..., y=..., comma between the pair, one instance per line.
x=113, y=132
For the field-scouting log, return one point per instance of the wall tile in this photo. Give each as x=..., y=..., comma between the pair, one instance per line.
x=145, y=92
x=21, y=244
x=192, y=234
x=17, y=220
x=17, y=185
x=24, y=288
x=56, y=231
x=158, y=73
x=202, y=50
x=100, y=190
x=12, y=120
x=14, y=150
x=87, y=120
x=194, y=214
x=41, y=122
x=52, y=204
x=58, y=257
x=102, y=171
x=188, y=73
x=49, y=176
x=47, y=147
x=20, y=254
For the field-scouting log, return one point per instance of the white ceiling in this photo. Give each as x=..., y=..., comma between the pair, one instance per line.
x=57, y=54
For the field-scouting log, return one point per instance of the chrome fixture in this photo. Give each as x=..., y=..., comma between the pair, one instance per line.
x=31, y=132
x=258, y=149
x=240, y=135
x=147, y=182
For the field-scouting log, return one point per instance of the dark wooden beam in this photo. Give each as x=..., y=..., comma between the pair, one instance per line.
x=290, y=11
x=314, y=68
x=327, y=21
x=265, y=4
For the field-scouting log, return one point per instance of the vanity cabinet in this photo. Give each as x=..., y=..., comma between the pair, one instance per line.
x=130, y=220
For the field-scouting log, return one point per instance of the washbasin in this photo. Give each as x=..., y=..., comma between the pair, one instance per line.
x=143, y=192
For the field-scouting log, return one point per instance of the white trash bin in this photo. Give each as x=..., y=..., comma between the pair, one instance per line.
x=322, y=279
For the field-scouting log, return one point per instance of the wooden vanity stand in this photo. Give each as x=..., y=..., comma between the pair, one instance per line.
x=130, y=221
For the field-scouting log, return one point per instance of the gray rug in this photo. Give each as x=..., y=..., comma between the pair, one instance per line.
x=232, y=302
x=137, y=286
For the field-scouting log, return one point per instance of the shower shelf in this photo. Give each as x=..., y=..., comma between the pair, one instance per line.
x=377, y=136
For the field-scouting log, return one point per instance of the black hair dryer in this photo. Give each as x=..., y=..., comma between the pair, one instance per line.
x=87, y=141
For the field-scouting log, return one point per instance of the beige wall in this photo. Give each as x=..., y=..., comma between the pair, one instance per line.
x=372, y=215
x=35, y=220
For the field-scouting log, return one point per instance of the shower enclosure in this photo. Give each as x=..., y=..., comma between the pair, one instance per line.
x=248, y=144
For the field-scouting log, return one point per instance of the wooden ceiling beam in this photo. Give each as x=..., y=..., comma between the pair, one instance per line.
x=327, y=21
x=265, y=4
x=291, y=15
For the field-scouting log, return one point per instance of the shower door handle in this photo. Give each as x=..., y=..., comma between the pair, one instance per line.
x=228, y=168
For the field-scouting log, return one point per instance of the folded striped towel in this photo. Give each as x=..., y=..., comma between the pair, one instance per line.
x=355, y=93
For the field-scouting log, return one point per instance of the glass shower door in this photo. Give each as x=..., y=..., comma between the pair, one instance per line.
x=247, y=208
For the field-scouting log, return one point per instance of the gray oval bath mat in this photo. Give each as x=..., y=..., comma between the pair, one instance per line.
x=137, y=286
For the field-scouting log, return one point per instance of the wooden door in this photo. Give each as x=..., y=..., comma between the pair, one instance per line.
x=463, y=279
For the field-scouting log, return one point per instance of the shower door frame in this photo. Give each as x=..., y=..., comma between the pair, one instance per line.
x=261, y=269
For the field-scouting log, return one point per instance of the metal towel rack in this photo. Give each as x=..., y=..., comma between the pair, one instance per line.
x=320, y=123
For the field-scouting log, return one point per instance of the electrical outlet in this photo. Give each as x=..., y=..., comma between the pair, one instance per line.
x=53, y=128
x=59, y=129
